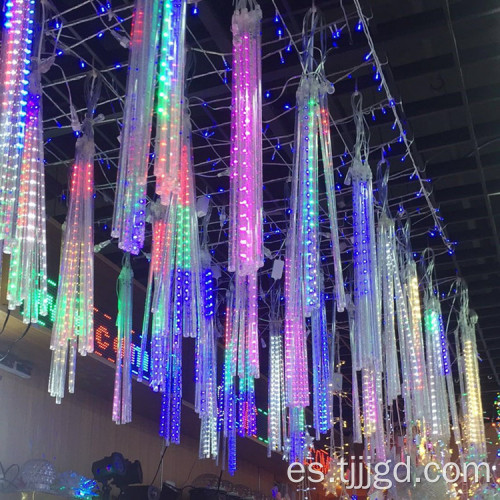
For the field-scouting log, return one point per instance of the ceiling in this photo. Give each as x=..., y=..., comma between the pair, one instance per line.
x=442, y=61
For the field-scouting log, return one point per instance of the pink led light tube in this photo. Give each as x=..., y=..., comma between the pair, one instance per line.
x=245, y=247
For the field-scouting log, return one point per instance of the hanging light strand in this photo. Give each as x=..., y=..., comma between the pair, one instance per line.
x=473, y=421
x=129, y=217
x=158, y=292
x=206, y=369
x=387, y=264
x=276, y=412
x=17, y=40
x=170, y=108
x=74, y=312
x=122, y=398
x=437, y=358
x=416, y=344
x=187, y=305
x=27, y=284
x=246, y=246
x=245, y=229
x=327, y=157
x=229, y=399
x=367, y=331
x=322, y=393
x=187, y=247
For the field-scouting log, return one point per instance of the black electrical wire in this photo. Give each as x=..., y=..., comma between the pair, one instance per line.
x=5, y=322
x=159, y=465
x=15, y=342
x=8, y=485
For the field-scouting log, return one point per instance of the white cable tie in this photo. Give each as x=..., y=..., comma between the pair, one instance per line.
x=75, y=122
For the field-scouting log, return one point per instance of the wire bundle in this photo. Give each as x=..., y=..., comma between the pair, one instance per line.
x=174, y=294
x=27, y=284
x=73, y=328
x=159, y=292
x=129, y=217
x=188, y=300
x=245, y=230
x=17, y=40
x=367, y=332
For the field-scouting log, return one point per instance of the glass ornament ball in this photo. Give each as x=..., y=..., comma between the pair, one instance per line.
x=38, y=474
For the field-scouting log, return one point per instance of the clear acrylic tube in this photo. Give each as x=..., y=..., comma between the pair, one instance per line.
x=170, y=106
x=17, y=41
x=387, y=266
x=245, y=229
x=27, y=284
x=122, y=397
x=473, y=419
x=246, y=243
x=74, y=311
x=418, y=376
x=326, y=152
x=367, y=318
x=129, y=217
x=439, y=421
x=276, y=399
x=206, y=373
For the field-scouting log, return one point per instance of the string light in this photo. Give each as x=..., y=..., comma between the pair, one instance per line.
x=122, y=397
x=206, y=370
x=437, y=368
x=187, y=267
x=387, y=262
x=187, y=305
x=73, y=328
x=169, y=109
x=322, y=400
x=367, y=332
x=180, y=305
x=228, y=404
x=473, y=422
x=17, y=39
x=158, y=293
x=27, y=284
x=130, y=203
x=415, y=344
x=245, y=229
x=276, y=400
x=174, y=295
x=305, y=298
x=326, y=147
